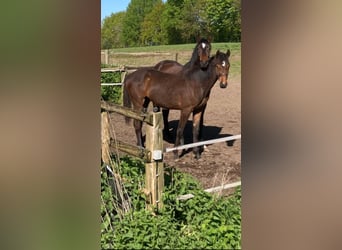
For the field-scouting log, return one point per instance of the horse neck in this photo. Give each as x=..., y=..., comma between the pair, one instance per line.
x=207, y=78
x=211, y=74
x=194, y=60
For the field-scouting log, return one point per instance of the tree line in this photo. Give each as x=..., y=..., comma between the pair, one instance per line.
x=154, y=22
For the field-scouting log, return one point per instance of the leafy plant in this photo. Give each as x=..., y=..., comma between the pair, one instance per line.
x=111, y=93
x=205, y=221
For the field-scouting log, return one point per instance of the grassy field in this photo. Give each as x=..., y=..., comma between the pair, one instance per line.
x=151, y=55
x=176, y=48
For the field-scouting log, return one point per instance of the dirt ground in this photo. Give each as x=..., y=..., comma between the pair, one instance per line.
x=220, y=163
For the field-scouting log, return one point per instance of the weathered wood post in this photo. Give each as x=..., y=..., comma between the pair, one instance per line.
x=154, y=165
x=105, y=138
x=123, y=75
x=106, y=56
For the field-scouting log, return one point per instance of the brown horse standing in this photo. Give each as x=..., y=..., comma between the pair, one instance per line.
x=187, y=92
x=199, y=58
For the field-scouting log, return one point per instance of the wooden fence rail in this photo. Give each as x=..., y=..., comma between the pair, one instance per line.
x=136, y=151
x=144, y=117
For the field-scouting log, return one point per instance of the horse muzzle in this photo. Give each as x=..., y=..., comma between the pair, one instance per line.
x=204, y=64
x=223, y=85
x=223, y=82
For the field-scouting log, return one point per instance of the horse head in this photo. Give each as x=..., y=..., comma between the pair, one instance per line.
x=203, y=51
x=222, y=67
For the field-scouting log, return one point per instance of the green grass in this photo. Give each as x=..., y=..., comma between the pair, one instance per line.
x=236, y=47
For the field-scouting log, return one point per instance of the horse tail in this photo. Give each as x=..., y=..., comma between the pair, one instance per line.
x=126, y=101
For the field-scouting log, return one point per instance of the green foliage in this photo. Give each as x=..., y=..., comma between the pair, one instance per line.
x=224, y=19
x=193, y=20
x=111, y=31
x=204, y=221
x=151, y=29
x=135, y=14
x=111, y=93
x=173, y=22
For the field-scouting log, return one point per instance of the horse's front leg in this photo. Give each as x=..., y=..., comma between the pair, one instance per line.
x=200, y=133
x=166, y=123
x=138, y=132
x=145, y=104
x=156, y=108
x=180, y=129
x=196, y=127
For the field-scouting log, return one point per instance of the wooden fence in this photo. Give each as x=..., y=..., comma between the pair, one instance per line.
x=152, y=154
x=140, y=58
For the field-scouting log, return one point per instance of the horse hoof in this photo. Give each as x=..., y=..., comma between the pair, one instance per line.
x=155, y=109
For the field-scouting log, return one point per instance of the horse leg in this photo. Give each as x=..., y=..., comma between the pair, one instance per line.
x=145, y=104
x=155, y=108
x=200, y=133
x=180, y=129
x=138, y=132
x=166, y=123
x=196, y=123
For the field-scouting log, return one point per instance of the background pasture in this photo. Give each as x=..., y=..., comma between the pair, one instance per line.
x=151, y=55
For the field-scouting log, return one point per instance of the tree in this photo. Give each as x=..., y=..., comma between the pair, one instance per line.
x=170, y=21
x=151, y=29
x=193, y=20
x=135, y=14
x=111, y=31
x=224, y=19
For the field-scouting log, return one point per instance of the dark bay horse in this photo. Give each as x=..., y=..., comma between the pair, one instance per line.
x=187, y=92
x=199, y=58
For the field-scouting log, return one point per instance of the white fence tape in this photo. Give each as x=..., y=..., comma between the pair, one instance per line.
x=210, y=190
x=112, y=84
x=196, y=144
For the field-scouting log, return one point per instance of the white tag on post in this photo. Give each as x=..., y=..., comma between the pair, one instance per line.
x=157, y=155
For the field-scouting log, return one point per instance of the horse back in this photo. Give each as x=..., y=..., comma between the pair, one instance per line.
x=169, y=66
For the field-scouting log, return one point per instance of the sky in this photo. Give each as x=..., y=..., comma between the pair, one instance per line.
x=112, y=6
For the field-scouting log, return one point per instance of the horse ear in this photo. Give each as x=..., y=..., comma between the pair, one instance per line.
x=217, y=52
x=228, y=52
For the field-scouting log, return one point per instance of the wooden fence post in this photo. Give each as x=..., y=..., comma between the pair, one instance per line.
x=123, y=75
x=154, y=165
x=105, y=138
x=106, y=56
